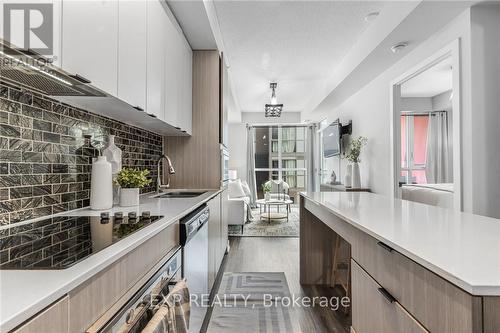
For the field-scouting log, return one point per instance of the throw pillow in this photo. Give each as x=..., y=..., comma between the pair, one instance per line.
x=246, y=188
x=235, y=190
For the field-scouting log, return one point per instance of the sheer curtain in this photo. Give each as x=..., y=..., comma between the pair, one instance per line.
x=438, y=159
x=311, y=156
x=251, y=165
x=288, y=138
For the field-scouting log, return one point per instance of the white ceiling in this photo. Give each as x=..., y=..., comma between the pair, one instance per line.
x=298, y=44
x=434, y=81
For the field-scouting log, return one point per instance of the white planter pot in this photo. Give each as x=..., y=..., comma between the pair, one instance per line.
x=356, y=176
x=267, y=196
x=348, y=176
x=129, y=197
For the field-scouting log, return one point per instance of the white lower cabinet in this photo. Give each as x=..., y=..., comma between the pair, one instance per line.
x=374, y=310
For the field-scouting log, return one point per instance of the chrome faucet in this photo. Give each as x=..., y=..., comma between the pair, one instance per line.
x=170, y=169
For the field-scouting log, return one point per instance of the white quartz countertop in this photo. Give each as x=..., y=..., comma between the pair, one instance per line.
x=460, y=247
x=23, y=293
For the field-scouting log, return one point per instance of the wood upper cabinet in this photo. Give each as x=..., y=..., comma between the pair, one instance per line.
x=132, y=50
x=90, y=41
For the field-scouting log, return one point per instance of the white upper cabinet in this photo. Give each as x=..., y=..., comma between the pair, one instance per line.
x=172, y=69
x=178, y=78
x=90, y=41
x=187, y=91
x=132, y=50
x=156, y=44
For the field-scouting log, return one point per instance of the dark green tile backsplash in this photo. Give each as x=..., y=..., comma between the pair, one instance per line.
x=45, y=166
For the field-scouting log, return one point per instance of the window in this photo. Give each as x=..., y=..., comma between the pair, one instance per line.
x=413, y=148
x=280, y=154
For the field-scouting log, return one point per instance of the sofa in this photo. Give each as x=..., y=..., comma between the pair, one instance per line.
x=238, y=203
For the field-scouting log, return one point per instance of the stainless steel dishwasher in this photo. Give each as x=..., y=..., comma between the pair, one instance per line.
x=194, y=239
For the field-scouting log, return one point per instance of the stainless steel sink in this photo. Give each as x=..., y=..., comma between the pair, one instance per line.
x=181, y=194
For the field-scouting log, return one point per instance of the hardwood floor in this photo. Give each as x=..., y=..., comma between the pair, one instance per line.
x=267, y=254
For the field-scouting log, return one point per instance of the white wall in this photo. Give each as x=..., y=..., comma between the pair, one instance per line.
x=238, y=149
x=260, y=118
x=417, y=104
x=370, y=108
x=478, y=29
x=442, y=101
x=485, y=106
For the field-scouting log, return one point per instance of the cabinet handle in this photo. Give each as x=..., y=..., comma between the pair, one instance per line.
x=387, y=295
x=81, y=78
x=138, y=108
x=152, y=115
x=385, y=246
x=178, y=128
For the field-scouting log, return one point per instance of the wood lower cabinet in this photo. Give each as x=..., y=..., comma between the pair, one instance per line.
x=434, y=303
x=374, y=312
x=419, y=290
x=54, y=319
x=93, y=298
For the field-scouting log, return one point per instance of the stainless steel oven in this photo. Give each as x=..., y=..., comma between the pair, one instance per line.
x=138, y=311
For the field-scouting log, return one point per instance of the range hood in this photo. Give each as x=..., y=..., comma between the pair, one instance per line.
x=33, y=71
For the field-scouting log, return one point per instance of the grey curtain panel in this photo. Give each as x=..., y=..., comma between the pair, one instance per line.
x=251, y=165
x=439, y=159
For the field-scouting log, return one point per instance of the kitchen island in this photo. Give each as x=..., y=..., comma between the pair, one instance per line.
x=44, y=293
x=412, y=267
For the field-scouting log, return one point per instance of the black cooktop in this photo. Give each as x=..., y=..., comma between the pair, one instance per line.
x=61, y=242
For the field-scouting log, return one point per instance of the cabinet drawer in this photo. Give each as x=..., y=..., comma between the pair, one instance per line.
x=54, y=319
x=372, y=312
x=437, y=304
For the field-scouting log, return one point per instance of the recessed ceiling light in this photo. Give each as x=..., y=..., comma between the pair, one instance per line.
x=398, y=47
x=371, y=17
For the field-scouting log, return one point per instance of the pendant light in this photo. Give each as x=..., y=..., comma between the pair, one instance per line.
x=273, y=109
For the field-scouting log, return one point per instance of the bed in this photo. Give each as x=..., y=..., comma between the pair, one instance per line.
x=440, y=195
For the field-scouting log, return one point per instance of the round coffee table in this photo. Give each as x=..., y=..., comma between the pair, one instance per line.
x=268, y=215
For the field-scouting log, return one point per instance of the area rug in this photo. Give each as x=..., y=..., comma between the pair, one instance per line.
x=262, y=228
x=253, y=302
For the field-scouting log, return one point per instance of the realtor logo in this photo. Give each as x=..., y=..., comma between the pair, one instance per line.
x=29, y=26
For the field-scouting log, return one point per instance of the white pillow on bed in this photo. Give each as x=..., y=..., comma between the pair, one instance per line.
x=235, y=189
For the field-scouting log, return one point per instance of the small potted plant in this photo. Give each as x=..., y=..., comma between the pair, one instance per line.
x=130, y=181
x=353, y=156
x=266, y=188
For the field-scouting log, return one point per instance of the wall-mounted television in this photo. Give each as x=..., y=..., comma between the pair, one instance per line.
x=331, y=139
